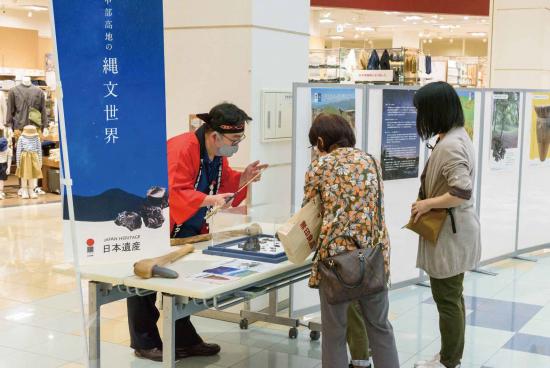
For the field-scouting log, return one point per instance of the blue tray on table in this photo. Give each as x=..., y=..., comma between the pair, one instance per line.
x=231, y=249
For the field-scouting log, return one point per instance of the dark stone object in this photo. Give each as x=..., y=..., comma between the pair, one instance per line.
x=252, y=244
x=152, y=216
x=158, y=197
x=129, y=220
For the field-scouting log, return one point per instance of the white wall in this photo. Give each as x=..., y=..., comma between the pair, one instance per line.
x=40, y=21
x=230, y=51
x=520, y=52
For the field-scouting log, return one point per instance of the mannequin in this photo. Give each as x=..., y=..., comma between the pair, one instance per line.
x=26, y=81
x=29, y=161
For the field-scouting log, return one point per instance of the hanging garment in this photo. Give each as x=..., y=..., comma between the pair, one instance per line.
x=363, y=60
x=421, y=63
x=350, y=63
x=374, y=61
x=428, y=64
x=3, y=110
x=385, y=61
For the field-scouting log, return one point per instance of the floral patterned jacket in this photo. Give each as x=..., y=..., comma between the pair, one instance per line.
x=347, y=182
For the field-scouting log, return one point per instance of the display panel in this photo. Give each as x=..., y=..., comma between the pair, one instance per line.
x=400, y=142
x=398, y=194
x=500, y=173
x=534, y=217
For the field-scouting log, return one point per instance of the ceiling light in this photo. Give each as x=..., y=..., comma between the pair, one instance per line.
x=356, y=36
x=484, y=21
x=339, y=28
x=415, y=23
x=435, y=16
x=484, y=40
x=430, y=41
x=420, y=34
x=466, y=18
x=451, y=40
x=36, y=8
x=391, y=13
x=337, y=37
x=424, y=41
x=448, y=26
x=29, y=14
x=326, y=15
x=439, y=37
x=364, y=29
x=478, y=34
x=326, y=20
x=413, y=17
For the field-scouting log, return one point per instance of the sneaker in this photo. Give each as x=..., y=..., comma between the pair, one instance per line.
x=2, y=196
x=421, y=363
x=33, y=194
x=360, y=364
x=24, y=194
x=20, y=192
x=39, y=191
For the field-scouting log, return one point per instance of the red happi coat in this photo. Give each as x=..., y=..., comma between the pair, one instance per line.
x=184, y=161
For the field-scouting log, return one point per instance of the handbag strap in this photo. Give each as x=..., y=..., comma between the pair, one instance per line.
x=379, y=217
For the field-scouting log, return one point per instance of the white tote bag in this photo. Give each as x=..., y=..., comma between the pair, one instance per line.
x=300, y=233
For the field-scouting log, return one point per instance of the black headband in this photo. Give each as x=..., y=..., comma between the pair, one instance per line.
x=220, y=126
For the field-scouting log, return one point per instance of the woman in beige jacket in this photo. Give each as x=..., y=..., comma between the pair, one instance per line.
x=447, y=183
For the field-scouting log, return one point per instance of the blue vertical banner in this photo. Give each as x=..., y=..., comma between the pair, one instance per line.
x=111, y=67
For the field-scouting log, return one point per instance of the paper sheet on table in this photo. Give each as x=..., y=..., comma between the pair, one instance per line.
x=231, y=270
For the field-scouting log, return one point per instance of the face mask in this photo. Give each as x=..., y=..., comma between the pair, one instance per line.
x=227, y=150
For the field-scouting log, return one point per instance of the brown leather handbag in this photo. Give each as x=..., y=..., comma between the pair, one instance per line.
x=351, y=275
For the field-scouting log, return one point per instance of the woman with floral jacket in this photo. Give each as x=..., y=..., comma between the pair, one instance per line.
x=346, y=179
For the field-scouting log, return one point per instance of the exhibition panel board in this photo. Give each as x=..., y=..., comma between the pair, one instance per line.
x=500, y=169
x=511, y=140
x=311, y=100
x=534, y=214
x=393, y=140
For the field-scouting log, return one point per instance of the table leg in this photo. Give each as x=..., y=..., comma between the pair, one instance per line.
x=169, y=331
x=94, y=309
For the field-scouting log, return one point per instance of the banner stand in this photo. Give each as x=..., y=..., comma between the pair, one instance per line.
x=67, y=183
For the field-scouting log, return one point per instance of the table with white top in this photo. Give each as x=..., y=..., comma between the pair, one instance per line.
x=183, y=296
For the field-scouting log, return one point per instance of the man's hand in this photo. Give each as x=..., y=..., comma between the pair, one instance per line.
x=216, y=200
x=252, y=170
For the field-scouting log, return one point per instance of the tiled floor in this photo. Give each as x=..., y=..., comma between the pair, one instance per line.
x=508, y=315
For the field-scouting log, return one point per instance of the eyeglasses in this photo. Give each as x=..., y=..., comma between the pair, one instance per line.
x=234, y=142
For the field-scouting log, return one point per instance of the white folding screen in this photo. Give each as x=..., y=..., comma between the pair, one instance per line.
x=304, y=299
x=511, y=176
x=500, y=164
x=398, y=195
x=534, y=215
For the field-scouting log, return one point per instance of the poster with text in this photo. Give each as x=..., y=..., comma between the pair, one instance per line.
x=468, y=102
x=540, y=127
x=504, y=130
x=400, y=141
x=339, y=101
x=111, y=62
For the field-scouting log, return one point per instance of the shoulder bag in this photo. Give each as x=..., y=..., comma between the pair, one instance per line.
x=352, y=275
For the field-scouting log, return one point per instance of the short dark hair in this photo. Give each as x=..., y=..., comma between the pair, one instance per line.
x=334, y=130
x=438, y=109
x=229, y=114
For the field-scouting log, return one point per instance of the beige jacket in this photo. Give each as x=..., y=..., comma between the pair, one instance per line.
x=451, y=169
